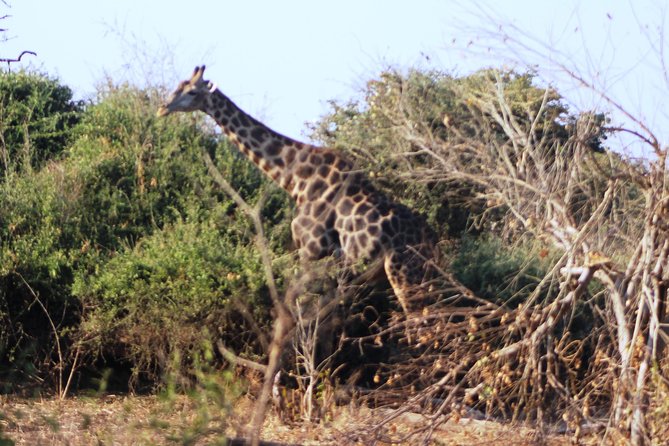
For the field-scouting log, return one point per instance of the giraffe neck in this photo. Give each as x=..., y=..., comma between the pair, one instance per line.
x=272, y=152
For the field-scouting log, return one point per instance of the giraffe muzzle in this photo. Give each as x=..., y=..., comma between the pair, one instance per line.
x=163, y=111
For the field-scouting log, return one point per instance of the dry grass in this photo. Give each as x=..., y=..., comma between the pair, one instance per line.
x=145, y=420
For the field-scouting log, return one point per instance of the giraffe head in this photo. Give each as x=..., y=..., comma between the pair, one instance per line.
x=190, y=95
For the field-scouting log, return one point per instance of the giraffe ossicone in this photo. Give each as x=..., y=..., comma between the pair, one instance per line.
x=338, y=210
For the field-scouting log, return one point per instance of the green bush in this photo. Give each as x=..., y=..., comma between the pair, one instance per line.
x=167, y=294
x=35, y=268
x=496, y=271
x=37, y=115
x=127, y=201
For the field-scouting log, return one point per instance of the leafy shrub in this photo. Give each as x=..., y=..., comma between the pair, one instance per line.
x=129, y=190
x=169, y=293
x=496, y=271
x=35, y=267
x=37, y=115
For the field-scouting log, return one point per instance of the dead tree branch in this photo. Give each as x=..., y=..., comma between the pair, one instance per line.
x=18, y=59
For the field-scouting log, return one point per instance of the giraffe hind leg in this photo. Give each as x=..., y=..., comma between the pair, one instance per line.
x=397, y=281
x=406, y=274
x=403, y=289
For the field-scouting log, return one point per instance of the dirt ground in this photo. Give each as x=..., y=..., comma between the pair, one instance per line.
x=149, y=420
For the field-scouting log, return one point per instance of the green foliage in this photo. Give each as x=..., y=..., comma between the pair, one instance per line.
x=37, y=115
x=498, y=272
x=138, y=172
x=33, y=259
x=128, y=243
x=169, y=293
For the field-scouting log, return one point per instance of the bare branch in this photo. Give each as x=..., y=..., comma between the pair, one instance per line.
x=18, y=59
x=234, y=359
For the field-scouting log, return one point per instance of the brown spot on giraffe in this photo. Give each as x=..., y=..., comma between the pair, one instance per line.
x=362, y=239
x=338, y=209
x=274, y=148
x=323, y=171
x=345, y=207
x=316, y=189
x=244, y=120
x=259, y=134
x=329, y=157
x=304, y=171
x=319, y=208
x=289, y=155
x=342, y=165
x=363, y=208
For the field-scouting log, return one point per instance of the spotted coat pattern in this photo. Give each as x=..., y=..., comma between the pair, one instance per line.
x=338, y=212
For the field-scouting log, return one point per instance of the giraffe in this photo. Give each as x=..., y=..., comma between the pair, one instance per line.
x=338, y=210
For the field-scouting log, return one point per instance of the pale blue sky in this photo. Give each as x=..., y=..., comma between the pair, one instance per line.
x=282, y=61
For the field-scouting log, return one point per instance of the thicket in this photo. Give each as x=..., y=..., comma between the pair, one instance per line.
x=563, y=261
x=120, y=250
x=486, y=246
x=37, y=115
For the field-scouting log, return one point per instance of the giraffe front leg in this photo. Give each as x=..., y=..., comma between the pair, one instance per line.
x=320, y=252
x=313, y=237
